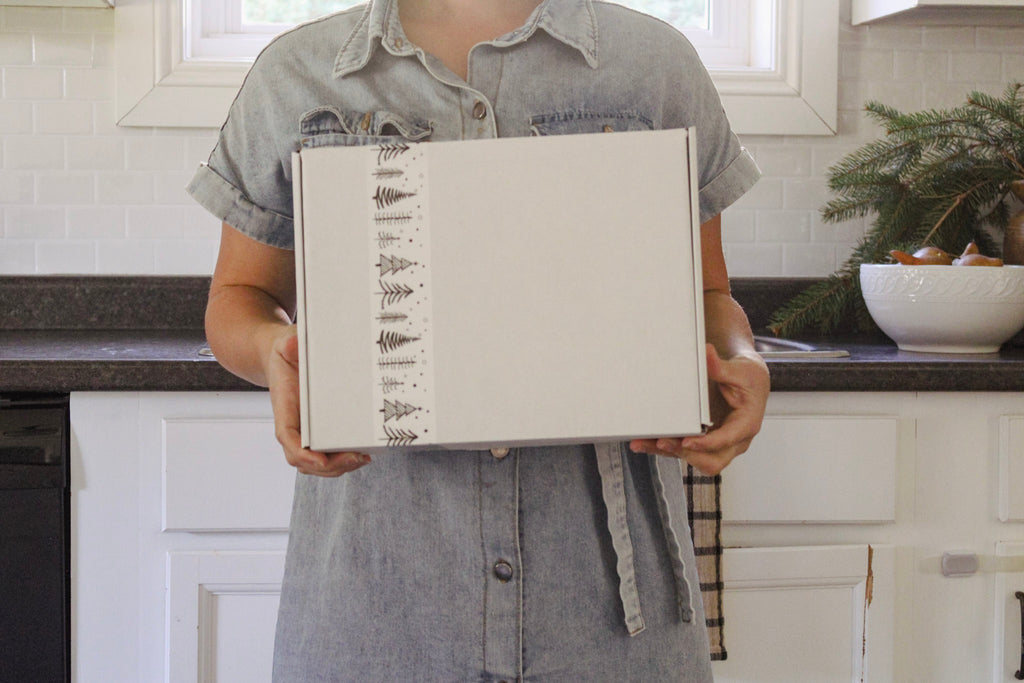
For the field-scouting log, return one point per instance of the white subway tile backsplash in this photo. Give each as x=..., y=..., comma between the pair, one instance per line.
x=125, y=188
x=80, y=194
x=96, y=222
x=783, y=226
x=186, y=257
x=88, y=20
x=18, y=257
x=972, y=66
x=16, y=188
x=921, y=65
x=155, y=153
x=95, y=153
x=15, y=117
x=33, y=83
x=63, y=117
x=170, y=188
x=34, y=222
x=66, y=256
x=805, y=194
x=126, y=257
x=89, y=84
x=63, y=49
x=54, y=188
x=154, y=222
x=15, y=48
x=17, y=19
x=33, y=152
x=808, y=260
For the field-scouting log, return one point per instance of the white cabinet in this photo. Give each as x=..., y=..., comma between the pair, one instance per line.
x=962, y=12
x=941, y=473
x=835, y=524
x=180, y=507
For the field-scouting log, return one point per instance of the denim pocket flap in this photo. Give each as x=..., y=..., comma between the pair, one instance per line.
x=571, y=122
x=328, y=125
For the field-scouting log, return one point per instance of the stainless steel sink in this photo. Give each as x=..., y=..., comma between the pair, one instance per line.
x=772, y=347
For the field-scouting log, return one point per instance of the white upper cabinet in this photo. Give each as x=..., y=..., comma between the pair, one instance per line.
x=957, y=12
x=95, y=4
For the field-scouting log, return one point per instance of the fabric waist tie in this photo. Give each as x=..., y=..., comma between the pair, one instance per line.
x=610, y=457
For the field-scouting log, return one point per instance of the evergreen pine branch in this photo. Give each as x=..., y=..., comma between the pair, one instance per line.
x=938, y=177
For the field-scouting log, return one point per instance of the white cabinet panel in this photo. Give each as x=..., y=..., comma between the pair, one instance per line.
x=824, y=468
x=1011, y=468
x=222, y=608
x=795, y=614
x=224, y=474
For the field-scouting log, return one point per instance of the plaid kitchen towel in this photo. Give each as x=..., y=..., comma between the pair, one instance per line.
x=705, y=516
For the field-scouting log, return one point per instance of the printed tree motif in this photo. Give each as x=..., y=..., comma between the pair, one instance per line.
x=392, y=293
x=399, y=437
x=388, y=172
x=390, y=384
x=396, y=410
x=390, y=151
x=389, y=341
x=391, y=218
x=391, y=317
x=393, y=264
x=399, y=363
x=386, y=239
x=387, y=196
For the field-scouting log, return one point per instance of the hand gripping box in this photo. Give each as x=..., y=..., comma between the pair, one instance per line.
x=517, y=291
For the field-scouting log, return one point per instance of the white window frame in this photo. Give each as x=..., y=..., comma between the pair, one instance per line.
x=157, y=86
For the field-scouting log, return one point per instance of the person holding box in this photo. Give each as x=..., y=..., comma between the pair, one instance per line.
x=549, y=563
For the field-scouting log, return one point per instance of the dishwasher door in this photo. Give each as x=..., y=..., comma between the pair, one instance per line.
x=34, y=539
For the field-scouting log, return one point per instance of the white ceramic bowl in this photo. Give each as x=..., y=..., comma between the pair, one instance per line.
x=945, y=309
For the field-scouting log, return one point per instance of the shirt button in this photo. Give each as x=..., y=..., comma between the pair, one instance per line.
x=503, y=571
x=499, y=453
x=479, y=110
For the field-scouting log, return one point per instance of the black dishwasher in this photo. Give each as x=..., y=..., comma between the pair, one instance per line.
x=34, y=539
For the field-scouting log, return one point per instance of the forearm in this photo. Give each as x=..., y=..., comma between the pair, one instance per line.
x=726, y=326
x=242, y=324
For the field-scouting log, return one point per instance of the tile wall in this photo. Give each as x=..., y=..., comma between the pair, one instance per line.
x=80, y=195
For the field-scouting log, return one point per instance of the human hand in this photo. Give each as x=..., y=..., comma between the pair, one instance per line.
x=283, y=381
x=739, y=392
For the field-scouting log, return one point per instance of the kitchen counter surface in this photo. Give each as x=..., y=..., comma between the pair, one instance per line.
x=51, y=340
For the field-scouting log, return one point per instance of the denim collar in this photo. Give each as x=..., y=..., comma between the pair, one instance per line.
x=569, y=21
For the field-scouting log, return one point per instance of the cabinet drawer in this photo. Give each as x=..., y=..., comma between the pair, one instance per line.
x=816, y=468
x=223, y=469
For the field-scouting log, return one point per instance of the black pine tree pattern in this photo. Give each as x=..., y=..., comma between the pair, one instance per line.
x=393, y=264
x=396, y=410
x=391, y=293
x=390, y=151
x=399, y=437
x=387, y=196
x=389, y=341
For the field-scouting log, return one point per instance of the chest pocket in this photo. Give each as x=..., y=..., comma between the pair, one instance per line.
x=329, y=126
x=573, y=122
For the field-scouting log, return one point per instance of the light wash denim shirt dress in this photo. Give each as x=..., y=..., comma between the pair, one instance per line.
x=564, y=563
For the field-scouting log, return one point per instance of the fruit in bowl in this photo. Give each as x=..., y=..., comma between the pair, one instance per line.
x=945, y=308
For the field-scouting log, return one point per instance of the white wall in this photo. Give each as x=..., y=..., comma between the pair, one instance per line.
x=80, y=195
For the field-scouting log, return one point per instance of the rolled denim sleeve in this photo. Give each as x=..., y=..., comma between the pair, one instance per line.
x=246, y=182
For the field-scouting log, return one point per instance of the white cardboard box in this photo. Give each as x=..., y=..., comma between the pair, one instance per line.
x=517, y=291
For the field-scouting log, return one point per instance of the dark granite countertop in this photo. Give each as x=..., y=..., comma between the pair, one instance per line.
x=145, y=334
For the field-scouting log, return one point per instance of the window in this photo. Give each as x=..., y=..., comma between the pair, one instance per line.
x=774, y=76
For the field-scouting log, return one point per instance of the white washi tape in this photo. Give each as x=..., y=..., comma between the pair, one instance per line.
x=400, y=295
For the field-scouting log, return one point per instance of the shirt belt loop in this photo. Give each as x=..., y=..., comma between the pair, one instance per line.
x=668, y=485
x=609, y=465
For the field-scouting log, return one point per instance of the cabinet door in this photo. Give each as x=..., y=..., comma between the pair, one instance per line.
x=789, y=475
x=801, y=613
x=181, y=505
